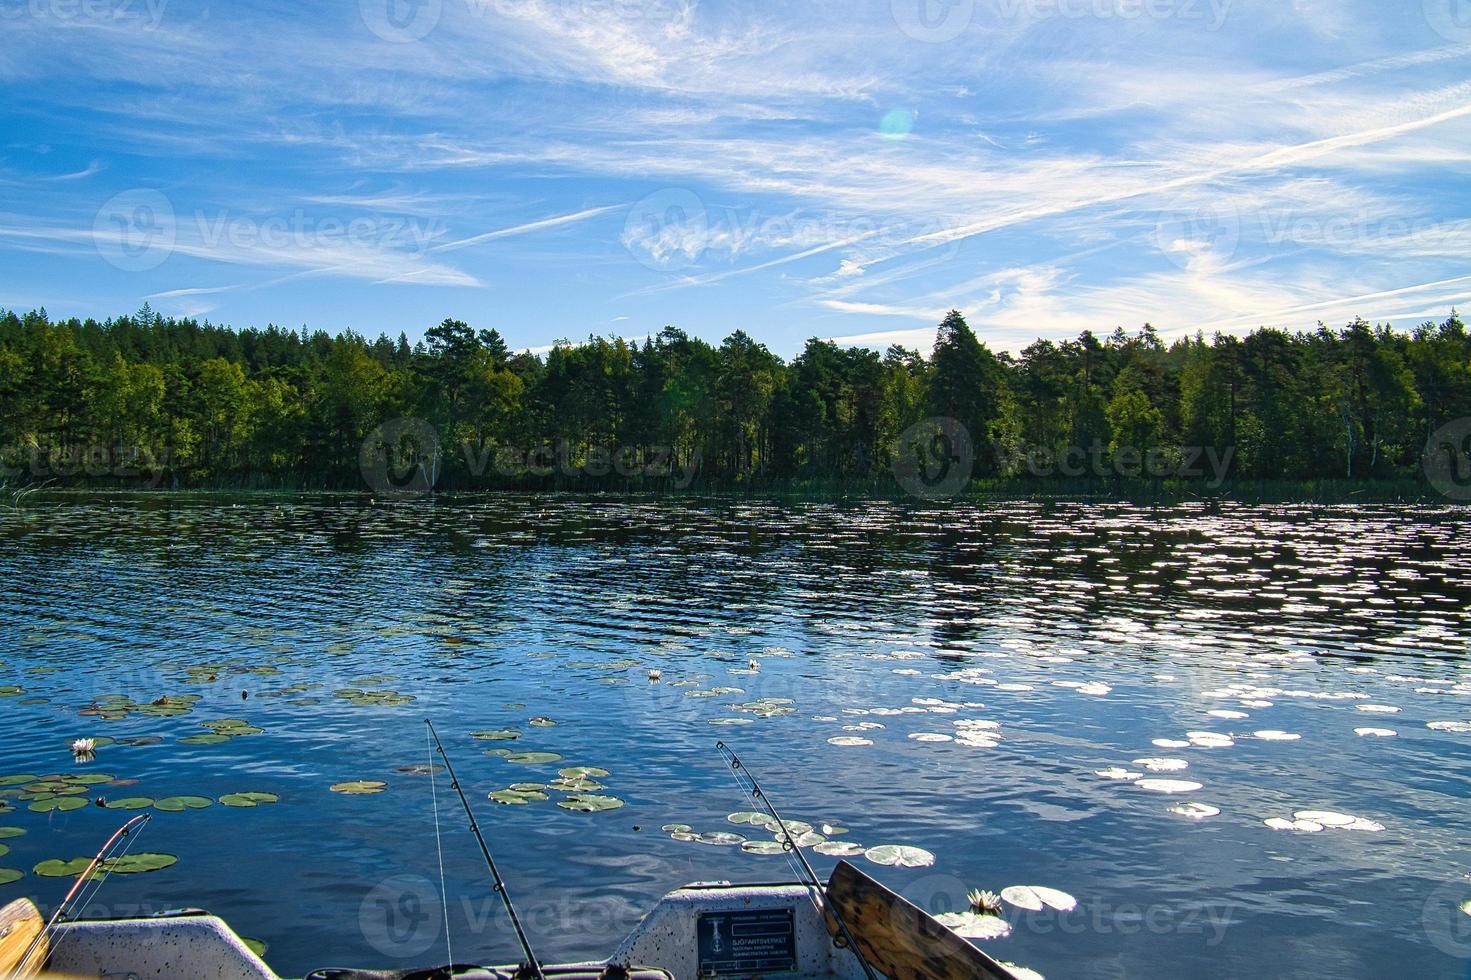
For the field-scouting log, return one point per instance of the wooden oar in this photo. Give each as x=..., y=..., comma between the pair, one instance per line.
x=21, y=925
x=900, y=939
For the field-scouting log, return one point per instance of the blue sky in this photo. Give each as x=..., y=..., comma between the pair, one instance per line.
x=560, y=168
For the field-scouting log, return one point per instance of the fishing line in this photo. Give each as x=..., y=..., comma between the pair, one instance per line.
x=814, y=884
x=80, y=887
x=439, y=844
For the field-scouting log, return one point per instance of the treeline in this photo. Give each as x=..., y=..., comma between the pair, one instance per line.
x=285, y=408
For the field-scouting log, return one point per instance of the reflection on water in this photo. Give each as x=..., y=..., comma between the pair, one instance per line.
x=961, y=679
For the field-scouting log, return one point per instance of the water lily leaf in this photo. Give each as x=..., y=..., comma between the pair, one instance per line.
x=541, y=721
x=676, y=828
x=89, y=779
x=56, y=868
x=509, y=797
x=178, y=804
x=134, y=864
x=533, y=758
x=213, y=738
x=839, y=848
x=764, y=847
x=8, y=832
x=18, y=780
x=587, y=803
x=719, y=838
x=1196, y=811
x=60, y=804
x=575, y=785
x=970, y=925
x=749, y=817
x=1168, y=785
x=849, y=740
x=249, y=799
x=499, y=735
x=10, y=875
x=360, y=787
x=900, y=856
x=130, y=803
x=1327, y=818
x=583, y=772
x=528, y=787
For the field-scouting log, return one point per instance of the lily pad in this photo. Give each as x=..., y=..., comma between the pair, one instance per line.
x=588, y=803
x=57, y=868
x=499, y=735
x=212, y=738
x=764, y=847
x=360, y=787
x=10, y=875
x=970, y=925
x=1034, y=897
x=8, y=832
x=676, y=828
x=849, y=740
x=135, y=864
x=583, y=772
x=720, y=838
x=750, y=817
x=509, y=797
x=900, y=856
x=249, y=799
x=1168, y=785
x=178, y=804
x=19, y=779
x=839, y=848
x=61, y=804
x=130, y=803
x=533, y=758
x=1195, y=811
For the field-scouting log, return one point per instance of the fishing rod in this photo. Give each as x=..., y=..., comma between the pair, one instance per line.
x=814, y=884
x=500, y=886
x=38, y=943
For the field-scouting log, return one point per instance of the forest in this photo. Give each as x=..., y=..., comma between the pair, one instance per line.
x=193, y=404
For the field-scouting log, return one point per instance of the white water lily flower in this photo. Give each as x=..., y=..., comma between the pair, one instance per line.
x=655, y=675
x=84, y=746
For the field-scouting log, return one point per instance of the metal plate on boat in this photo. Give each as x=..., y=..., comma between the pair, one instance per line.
x=747, y=942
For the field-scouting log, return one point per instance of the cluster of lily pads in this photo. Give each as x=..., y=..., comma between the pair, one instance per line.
x=370, y=692
x=117, y=707
x=221, y=731
x=57, y=792
x=578, y=785
x=1314, y=821
x=819, y=837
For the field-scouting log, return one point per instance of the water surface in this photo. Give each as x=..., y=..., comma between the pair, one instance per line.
x=1084, y=631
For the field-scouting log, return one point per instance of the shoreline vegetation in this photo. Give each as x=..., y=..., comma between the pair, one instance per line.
x=1355, y=414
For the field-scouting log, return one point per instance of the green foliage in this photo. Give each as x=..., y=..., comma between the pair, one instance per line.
x=194, y=404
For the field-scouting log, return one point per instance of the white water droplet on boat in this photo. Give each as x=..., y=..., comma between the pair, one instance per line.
x=1195, y=811
x=1272, y=735
x=900, y=856
x=849, y=740
x=1168, y=785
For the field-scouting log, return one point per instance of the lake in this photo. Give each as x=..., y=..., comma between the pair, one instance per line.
x=1033, y=646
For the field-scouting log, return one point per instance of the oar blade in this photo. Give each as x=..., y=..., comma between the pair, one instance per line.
x=20, y=925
